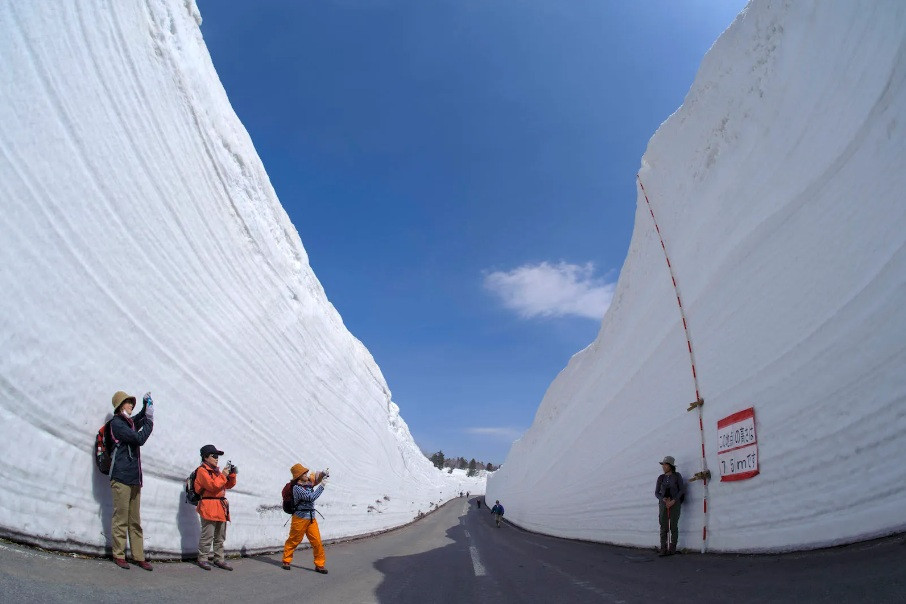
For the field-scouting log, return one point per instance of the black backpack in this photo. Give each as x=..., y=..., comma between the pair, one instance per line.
x=103, y=445
x=192, y=496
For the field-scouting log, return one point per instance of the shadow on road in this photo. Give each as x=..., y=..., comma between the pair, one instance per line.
x=266, y=559
x=443, y=574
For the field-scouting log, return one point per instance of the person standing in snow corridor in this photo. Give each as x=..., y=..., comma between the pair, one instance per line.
x=128, y=434
x=304, y=523
x=670, y=492
x=497, y=510
x=213, y=508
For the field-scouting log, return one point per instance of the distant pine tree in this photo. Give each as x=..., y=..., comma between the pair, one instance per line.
x=438, y=460
x=472, y=471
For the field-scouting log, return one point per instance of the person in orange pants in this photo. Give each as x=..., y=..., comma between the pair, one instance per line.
x=304, y=523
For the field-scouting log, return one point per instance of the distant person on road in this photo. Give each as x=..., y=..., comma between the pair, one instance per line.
x=304, y=524
x=128, y=434
x=478, y=502
x=497, y=510
x=213, y=508
x=670, y=492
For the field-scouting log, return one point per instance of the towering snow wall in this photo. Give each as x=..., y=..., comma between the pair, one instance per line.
x=143, y=248
x=778, y=187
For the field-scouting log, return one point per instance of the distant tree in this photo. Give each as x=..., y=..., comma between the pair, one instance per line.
x=489, y=467
x=461, y=463
x=438, y=460
x=472, y=471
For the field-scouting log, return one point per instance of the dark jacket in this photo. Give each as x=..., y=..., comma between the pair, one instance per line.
x=497, y=509
x=670, y=485
x=128, y=435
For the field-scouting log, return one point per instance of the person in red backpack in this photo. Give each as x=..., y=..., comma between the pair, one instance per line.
x=304, y=523
x=128, y=434
x=213, y=508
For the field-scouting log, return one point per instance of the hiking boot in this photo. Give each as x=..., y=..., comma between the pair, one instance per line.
x=121, y=562
x=222, y=564
x=321, y=569
x=286, y=566
x=662, y=551
x=203, y=564
x=143, y=565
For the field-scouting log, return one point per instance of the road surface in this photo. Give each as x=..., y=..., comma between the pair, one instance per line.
x=457, y=555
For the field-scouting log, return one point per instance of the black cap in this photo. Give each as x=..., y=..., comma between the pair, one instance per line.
x=209, y=450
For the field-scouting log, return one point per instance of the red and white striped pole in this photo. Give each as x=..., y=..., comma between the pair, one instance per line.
x=698, y=398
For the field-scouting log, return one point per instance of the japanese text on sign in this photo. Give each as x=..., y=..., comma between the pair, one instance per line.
x=737, y=446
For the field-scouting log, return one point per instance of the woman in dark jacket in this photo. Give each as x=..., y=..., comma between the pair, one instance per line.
x=128, y=434
x=670, y=492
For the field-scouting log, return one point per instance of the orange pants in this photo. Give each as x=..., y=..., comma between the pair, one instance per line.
x=298, y=530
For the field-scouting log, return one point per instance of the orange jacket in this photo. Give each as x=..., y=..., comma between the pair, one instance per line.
x=212, y=484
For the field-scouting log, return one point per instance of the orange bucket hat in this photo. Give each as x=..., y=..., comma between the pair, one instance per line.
x=298, y=470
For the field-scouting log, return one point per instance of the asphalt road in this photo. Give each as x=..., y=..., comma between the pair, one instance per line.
x=457, y=555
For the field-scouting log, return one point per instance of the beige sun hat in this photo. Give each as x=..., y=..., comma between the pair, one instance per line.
x=121, y=397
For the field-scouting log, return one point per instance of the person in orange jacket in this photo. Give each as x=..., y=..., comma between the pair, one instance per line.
x=304, y=523
x=213, y=508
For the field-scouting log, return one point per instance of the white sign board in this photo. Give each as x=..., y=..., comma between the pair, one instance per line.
x=737, y=446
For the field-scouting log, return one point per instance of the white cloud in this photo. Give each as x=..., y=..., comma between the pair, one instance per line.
x=552, y=290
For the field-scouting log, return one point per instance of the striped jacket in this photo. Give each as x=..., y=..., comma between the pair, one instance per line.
x=304, y=499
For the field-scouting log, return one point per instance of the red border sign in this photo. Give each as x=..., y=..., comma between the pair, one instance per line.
x=737, y=446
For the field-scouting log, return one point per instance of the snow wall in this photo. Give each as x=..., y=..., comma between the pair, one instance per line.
x=143, y=248
x=778, y=187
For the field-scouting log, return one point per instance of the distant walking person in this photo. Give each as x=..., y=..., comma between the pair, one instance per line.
x=670, y=492
x=478, y=502
x=304, y=523
x=213, y=508
x=128, y=434
x=497, y=510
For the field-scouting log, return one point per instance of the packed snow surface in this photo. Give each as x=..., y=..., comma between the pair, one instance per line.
x=143, y=248
x=778, y=187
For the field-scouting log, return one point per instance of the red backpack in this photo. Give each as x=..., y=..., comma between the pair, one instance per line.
x=103, y=444
x=289, y=506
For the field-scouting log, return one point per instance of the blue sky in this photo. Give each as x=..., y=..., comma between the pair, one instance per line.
x=462, y=175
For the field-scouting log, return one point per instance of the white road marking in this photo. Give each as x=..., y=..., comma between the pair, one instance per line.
x=477, y=566
x=476, y=562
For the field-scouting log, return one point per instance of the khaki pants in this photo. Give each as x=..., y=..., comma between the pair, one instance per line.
x=212, y=532
x=127, y=500
x=298, y=530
